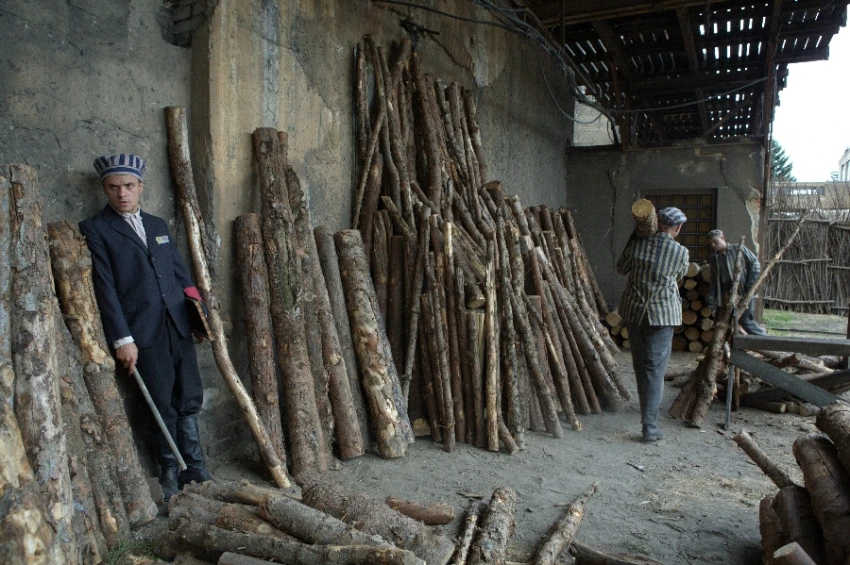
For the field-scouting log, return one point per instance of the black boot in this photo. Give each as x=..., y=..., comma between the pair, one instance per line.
x=168, y=467
x=189, y=442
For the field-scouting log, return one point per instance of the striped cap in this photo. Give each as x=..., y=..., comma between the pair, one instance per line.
x=671, y=216
x=120, y=164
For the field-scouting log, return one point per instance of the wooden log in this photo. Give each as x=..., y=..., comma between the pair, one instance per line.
x=689, y=317
x=463, y=339
x=178, y=142
x=253, y=277
x=506, y=438
x=695, y=347
x=286, y=285
x=244, y=519
x=496, y=529
x=426, y=355
x=586, y=555
x=374, y=517
x=775, y=473
x=426, y=124
x=448, y=314
x=692, y=333
x=371, y=197
x=793, y=506
x=646, y=221
x=217, y=540
x=475, y=327
x=413, y=299
x=313, y=526
x=707, y=336
x=475, y=134
x=396, y=305
x=828, y=484
x=230, y=558
x=345, y=425
x=232, y=491
x=693, y=270
x=613, y=319
x=103, y=422
x=34, y=354
x=492, y=356
x=380, y=380
x=770, y=529
x=363, y=124
x=326, y=249
x=834, y=421
x=470, y=528
x=380, y=260
x=434, y=514
x=585, y=269
x=439, y=365
x=562, y=532
x=792, y=554
x=27, y=536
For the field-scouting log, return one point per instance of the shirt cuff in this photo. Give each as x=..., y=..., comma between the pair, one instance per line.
x=123, y=341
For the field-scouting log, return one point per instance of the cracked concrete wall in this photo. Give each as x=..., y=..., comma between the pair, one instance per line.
x=87, y=77
x=602, y=183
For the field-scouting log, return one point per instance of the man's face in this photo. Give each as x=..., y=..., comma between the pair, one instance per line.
x=123, y=192
x=718, y=244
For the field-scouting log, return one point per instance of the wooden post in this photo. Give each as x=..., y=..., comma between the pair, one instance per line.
x=178, y=143
x=562, y=532
x=496, y=529
x=253, y=276
x=492, y=356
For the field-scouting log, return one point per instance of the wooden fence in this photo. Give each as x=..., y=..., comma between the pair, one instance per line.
x=814, y=273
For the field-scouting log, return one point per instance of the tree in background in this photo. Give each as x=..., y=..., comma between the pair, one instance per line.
x=781, y=165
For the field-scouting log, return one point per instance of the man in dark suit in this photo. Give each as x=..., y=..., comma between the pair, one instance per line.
x=141, y=282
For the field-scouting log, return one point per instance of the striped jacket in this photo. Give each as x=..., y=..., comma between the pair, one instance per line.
x=653, y=265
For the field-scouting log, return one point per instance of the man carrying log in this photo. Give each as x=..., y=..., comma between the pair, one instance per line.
x=722, y=263
x=141, y=284
x=651, y=307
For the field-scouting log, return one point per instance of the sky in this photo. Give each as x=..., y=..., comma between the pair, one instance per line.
x=812, y=121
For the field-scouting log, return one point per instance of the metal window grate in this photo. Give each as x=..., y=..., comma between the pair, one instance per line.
x=701, y=210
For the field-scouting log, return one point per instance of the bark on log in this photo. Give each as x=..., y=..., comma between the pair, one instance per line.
x=434, y=514
x=452, y=323
x=178, y=142
x=333, y=281
x=34, y=354
x=349, y=439
x=217, y=540
x=230, y=558
x=374, y=517
x=586, y=555
x=439, y=366
x=779, y=477
x=492, y=357
x=792, y=554
x=113, y=462
x=371, y=198
x=646, y=221
x=396, y=305
x=253, y=276
x=363, y=124
x=244, y=519
x=286, y=286
x=426, y=124
x=793, y=506
x=770, y=529
x=496, y=529
x=380, y=261
x=470, y=528
x=313, y=526
x=414, y=301
x=380, y=380
x=834, y=421
x=233, y=491
x=475, y=330
x=563, y=532
x=828, y=484
x=7, y=375
x=26, y=537
x=585, y=269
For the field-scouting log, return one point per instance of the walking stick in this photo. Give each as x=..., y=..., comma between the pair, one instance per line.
x=159, y=421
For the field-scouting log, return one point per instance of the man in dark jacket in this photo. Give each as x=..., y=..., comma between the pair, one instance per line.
x=141, y=282
x=722, y=263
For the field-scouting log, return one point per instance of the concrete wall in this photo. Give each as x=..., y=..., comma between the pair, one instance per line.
x=603, y=183
x=91, y=77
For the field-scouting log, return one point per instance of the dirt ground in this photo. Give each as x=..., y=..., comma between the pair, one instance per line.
x=691, y=498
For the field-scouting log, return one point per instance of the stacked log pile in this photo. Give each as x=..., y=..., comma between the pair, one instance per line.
x=814, y=518
x=72, y=484
x=491, y=310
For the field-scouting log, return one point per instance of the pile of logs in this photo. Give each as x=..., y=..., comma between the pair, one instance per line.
x=492, y=312
x=809, y=525
x=72, y=486
x=697, y=327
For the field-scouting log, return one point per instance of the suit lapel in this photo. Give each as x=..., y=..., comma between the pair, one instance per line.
x=117, y=223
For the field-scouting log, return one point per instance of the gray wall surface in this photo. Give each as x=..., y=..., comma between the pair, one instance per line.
x=93, y=76
x=602, y=184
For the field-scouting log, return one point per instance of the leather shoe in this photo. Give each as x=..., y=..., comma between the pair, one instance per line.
x=168, y=482
x=649, y=437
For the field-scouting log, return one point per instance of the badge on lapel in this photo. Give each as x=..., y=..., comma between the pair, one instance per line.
x=160, y=239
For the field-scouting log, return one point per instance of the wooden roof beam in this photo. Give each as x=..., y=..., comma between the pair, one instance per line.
x=580, y=11
x=693, y=61
x=719, y=123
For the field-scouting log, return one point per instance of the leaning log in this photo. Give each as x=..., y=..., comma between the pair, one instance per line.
x=111, y=451
x=770, y=529
x=181, y=168
x=313, y=526
x=834, y=421
x=374, y=517
x=34, y=354
x=586, y=555
x=435, y=514
x=217, y=540
x=776, y=474
x=258, y=325
x=380, y=378
x=793, y=506
x=470, y=528
x=496, y=529
x=563, y=532
x=828, y=483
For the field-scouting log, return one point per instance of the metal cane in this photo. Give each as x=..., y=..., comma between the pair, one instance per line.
x=158, y=418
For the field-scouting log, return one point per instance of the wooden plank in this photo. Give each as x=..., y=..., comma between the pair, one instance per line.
x=805, y=345
x=834, y=381
x=779, y=378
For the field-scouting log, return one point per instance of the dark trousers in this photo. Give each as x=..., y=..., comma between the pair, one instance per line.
x=650, y=346
x=747, y=320
x=170, y=371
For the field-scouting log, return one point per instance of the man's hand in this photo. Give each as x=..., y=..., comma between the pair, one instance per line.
x=128, y=354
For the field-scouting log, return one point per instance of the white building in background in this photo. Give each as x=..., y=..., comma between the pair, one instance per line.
x=844, y=166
